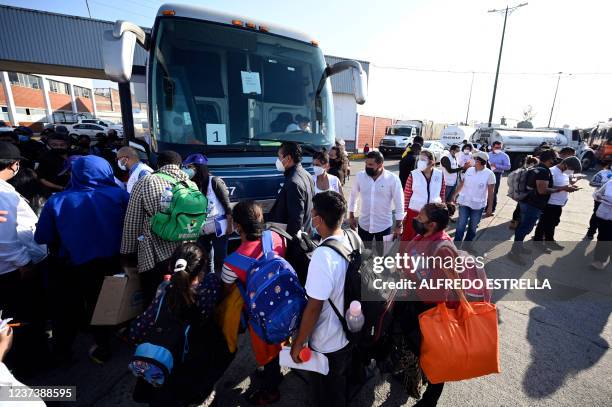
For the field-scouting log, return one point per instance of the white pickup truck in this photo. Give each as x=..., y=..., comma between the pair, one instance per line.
x=399, y=136
x=519, y=143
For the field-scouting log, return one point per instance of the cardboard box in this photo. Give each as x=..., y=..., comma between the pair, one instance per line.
x=120, y=300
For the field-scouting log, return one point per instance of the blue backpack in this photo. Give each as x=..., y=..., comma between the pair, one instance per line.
x=167, y=345
x=274, y=297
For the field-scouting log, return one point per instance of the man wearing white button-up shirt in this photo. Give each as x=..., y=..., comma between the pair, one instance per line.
x=379, y=192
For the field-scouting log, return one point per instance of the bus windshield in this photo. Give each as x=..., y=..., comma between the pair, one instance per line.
x=223, y=88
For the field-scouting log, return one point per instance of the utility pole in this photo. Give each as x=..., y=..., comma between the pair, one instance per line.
x=501, y=47
x=467, y=114
x=552, y=108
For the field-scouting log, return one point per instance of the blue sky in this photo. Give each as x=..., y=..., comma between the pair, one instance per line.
x=545, y=37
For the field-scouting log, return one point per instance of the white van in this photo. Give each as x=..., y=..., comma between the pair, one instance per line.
x=455, y=135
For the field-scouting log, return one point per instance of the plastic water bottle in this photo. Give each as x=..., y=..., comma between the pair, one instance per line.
x=161, y=288
x=354, y=317
x=166, y=199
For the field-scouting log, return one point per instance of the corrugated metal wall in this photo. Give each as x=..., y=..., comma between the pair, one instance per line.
x=343, y=82
x=39, y=37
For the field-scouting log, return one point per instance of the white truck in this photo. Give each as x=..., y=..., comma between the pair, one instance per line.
x=399, y=136
x=519, y=143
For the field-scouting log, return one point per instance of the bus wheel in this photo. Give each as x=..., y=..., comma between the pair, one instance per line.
x=517, y=161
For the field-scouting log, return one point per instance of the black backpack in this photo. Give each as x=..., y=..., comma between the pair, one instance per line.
x=299, y=251
x=376, y=308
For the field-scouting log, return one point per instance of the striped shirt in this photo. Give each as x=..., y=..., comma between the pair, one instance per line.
x=251, y=249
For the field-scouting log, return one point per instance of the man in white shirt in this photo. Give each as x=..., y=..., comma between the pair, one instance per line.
x=320, y=326
x=129, y=160
x=551, y=215
x=379, y=192
x=20, y=283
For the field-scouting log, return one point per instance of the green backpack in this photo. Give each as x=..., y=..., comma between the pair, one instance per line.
x=187, y=213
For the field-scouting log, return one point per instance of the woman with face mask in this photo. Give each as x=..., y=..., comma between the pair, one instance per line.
x=424, y=185
x=218, y=225
x=466, y=155
x=474, y=193
x=323, y=181
x=551, y=215
x=431, y=241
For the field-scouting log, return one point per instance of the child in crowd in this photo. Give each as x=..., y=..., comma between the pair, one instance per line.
x=181, y=319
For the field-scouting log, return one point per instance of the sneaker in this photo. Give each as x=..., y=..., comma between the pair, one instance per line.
x=99, y=355
x=553, y=245
x=541, y=245
x=264, y=397
x=598, y=265
x=513, y=224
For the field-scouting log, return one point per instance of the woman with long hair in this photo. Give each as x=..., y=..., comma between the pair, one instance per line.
x=218, y=225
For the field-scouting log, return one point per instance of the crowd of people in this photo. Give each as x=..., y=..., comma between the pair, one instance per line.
x=53, y=195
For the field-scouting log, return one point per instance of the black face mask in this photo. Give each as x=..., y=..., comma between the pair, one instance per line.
x=60, y=151
x=371, y=171
x=419, y=227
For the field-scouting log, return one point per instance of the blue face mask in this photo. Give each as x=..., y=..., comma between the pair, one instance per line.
x=189, y=171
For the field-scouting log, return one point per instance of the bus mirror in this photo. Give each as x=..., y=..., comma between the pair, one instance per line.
x=118, y=50
x=360, y=85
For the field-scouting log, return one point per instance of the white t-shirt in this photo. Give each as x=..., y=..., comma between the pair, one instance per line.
x=474, y=192
x=214, y=209
x=325, y=280
x=334, y=184
x=559, y=180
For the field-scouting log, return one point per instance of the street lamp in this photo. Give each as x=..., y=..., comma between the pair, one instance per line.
x=501, y=47
x=552, y=108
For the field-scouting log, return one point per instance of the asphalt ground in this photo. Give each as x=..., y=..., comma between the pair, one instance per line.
x=553, y=353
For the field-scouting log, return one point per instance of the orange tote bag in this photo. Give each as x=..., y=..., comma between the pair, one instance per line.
x=461, y=343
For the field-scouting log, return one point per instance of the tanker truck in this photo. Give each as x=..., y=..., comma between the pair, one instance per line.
x=519, y=143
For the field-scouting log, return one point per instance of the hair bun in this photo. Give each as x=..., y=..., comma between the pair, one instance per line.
x=450, y=207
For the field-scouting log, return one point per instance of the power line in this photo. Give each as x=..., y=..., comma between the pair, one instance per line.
x=434, y=70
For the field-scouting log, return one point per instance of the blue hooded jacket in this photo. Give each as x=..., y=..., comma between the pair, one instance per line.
x=86, y=219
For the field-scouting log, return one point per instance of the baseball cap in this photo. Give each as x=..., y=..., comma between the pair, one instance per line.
x=481, y=154
x=196, y=159
x=8, y=151
x=68, y=163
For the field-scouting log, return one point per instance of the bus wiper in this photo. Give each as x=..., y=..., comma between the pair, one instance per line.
x=305, y=146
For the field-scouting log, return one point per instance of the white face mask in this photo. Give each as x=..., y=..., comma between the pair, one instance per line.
x=318, y=170
x=467, y=152
x=122, y=167
x=422, y=164
x=279, y=165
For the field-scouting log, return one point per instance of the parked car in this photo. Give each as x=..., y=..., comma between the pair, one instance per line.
x=104, y=123
x=436, y=148
x=94, y=131
x=5, y=127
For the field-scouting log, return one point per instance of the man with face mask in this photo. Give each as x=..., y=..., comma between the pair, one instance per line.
x=20, y=281
x=451, y=169
x=425, y=184
x=128, y=160
x=294, y=200
x=474, y=194
x=499, y=162
x=52, y=164
x=379, y=192
x=551, y=215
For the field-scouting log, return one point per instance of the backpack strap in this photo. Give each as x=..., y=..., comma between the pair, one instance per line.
x=167, y=177
x=267, y=244
x=240, y=261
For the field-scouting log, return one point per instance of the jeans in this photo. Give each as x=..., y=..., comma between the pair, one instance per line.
x=215, y=249
x=331, y=390
x=594, y=220
x=448, y=192
x=498, y=176
x=529, y=216
x=551, y=216
x=369, y=238
x=467, y=214
x=516, y=215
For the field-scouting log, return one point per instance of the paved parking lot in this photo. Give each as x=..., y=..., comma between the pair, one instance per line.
x=552, y=353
